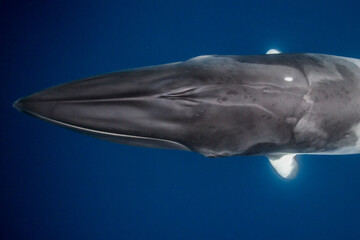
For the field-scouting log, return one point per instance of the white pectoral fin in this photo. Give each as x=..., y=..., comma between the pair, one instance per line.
x=273, y=51
x=285, y=165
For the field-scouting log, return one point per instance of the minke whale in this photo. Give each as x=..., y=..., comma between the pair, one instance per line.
x=276, y=105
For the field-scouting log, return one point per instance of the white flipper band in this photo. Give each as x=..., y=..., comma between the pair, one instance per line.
x=285, y=165
x=273, y=51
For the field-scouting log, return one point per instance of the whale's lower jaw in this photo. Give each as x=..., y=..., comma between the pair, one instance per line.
x=133, y=140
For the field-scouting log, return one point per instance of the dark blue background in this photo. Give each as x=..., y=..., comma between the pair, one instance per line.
x=58, y=184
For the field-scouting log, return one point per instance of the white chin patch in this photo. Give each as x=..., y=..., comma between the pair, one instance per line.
x=273, y=51
x=286, y=165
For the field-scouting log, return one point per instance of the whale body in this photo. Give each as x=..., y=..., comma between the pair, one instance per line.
x=276, y=105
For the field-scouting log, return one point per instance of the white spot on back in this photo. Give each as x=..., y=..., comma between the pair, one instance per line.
x=288, y=79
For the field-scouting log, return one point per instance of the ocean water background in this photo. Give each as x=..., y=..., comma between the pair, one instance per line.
x=58, y=184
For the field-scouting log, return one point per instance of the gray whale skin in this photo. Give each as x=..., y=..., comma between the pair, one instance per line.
x=276, y=105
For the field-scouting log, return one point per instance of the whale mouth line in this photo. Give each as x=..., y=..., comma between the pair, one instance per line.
x=115, y=99
x=104, y=133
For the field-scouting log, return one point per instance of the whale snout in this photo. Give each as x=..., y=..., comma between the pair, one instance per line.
x=124, y=107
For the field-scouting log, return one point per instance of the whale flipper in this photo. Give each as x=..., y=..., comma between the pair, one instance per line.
x=285, y=165
x=273, y=51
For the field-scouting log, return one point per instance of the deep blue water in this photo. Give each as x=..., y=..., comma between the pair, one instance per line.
x=58, y=184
